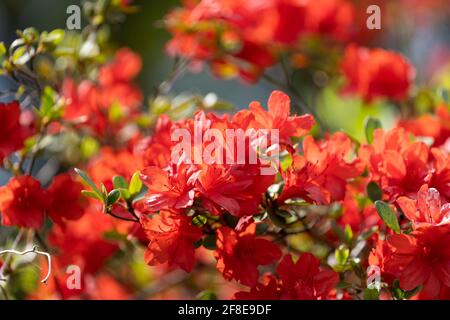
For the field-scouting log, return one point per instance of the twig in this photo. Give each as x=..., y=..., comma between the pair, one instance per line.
x=14, y=246
x=32, y=250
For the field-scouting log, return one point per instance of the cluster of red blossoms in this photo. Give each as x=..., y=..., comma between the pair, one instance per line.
x=244, y=38
x=412, y=177
x=24, y=202
x=330, y=207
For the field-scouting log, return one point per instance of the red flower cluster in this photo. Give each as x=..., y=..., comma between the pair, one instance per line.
x=24, y=202
x=377, y=73
x=422, y=256
x=245, y=37
x=223, y=184
x=12, y=132
x=302, y=280
x=322, y=173
x=433, y=126
x=401, y=165
x=104, y=106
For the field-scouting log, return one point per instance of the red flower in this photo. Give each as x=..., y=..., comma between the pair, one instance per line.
x=434, y=126
x=156, y=150
x=172, y=188
x=375, y=73
x=321, y=174
x=110, y=163
x=305, y=280
x=23, y=202
x=171, y=239
x=90, y=103
x=125, y=67
x=331, y=17
x=398, y=164
x=359, y=216
x=239, y=254
x=421, y=258
x=65, y=199
x=12, y=133
x=237, y=189
x=82, y=242
x=277, y=117
x=427, y=209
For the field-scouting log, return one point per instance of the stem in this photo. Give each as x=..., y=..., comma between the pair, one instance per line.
x=177, y=69
x=9, y=256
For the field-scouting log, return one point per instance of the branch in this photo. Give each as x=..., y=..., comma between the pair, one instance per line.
x=33, y=250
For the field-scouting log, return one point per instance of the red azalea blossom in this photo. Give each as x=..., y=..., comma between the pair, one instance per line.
x=23, y=202
x=65, y=199
x=110, y=163
x=169, y=189
x=397, y=163
x=305, y=280
x=321, y=174
x=82, y=242
x=434, y=126
x=427, y=209
x=374, y=73
x=421, y=258
x=277, y=117
x=239, y=254
x=171, y=239
x=12, y=133
x=90, y=103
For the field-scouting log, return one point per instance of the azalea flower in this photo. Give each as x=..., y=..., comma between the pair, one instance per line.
x=239, y=253
x=12, y=132
x=23, y=202
x=321, y=174
x=427, y=209
x=377, y=73
x=65, y=199
x=171, y=239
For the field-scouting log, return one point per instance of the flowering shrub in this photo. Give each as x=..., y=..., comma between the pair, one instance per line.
x=271, y=201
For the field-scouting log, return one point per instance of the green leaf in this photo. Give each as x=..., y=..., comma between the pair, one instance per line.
x=397, y=292
x=112, y=198
x=341, y=254
x=374, y=191
x=207, y=295
x=48, y=100
x=209, y=242
x=411, y=293
x=2, y=49
x=54, y=37
x=91, y=194
x=89, y=147
x=120, y=182
x=199, y=220
x=371, y=125
x=125, y=193
x=113, y=235
x=387, y=215
x=371, y=294
x=88, y=181
x=348, y=234
x=135, y=184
